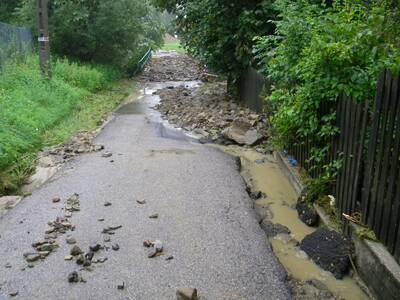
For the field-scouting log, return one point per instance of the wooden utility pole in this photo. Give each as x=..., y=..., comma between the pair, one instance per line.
x=44, y=42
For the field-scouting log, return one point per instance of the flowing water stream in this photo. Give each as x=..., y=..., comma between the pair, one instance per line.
x=266, y=176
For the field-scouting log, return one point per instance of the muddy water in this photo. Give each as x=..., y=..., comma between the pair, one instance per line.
x=265, y=175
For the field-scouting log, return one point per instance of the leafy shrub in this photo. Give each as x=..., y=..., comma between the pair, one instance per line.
x=317, y=54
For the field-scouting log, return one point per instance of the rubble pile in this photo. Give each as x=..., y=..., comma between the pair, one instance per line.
x=172, y=67
x=208, y=111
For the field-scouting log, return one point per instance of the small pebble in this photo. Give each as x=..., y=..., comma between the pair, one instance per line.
x=141, y=201
x=13, y=294
x=115, y=247
x=121, y=286
x=68, y=257
x=56, y=200
x=154, y=216
x=107, y=203
x=106, y=154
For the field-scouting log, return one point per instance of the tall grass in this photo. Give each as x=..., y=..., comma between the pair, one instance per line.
x=31, y=105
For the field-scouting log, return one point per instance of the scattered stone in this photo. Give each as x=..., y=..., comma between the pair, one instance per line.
x=329, y=250
x=158, y=246
x=68, y=214
x=107, y=154
x=307, y=213
x=30, y=265
x=89, y=255
x=107, y=239
x=141, y=201
x=73, y=203
x=186, y=294
x=9, y=202
x=56, y=200
x=121, y=286
x=31, y=257
x=95, y=247
x=100, y=220
x=70, y=240
x=256, y=195
x=115, y=247
x=154, y=216
x=271, y=229
x=8, y=266
x=114, y=227
x=13, y=294
x=147, y=243
x=75, y=251
x=47, y=247
x=68, y=257
x=73, y=277
x=80, y=260
x=107, y=204
x=102, y=259
x=169, y=257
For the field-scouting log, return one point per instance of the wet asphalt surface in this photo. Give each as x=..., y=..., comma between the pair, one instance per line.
x=206, y=222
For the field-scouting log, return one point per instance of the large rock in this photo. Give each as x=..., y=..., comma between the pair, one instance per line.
x=307, y=213
x=329, y=250
x=242, y=133
x=272, y=230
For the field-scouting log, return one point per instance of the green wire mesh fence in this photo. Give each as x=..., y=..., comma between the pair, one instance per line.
x=15, y=42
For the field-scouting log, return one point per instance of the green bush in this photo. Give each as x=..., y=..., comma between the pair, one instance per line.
x=98, y=31
x=317, y=54
x=31, y=105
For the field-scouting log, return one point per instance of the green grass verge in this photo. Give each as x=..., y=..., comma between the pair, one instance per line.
x=37, y=112
x=173, y=47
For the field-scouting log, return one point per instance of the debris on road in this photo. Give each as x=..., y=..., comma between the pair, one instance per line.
x=75, y=251
x=115, y=247
x=165, y=68
x=73, y=203
x=141, y=201
x=56, y=199
x=106, y=154
x=95, y=247
x=107, y=203
x=186, y=294
x=73, y=277
x=70, y=240
x=210, y=113
x=121, y=286
x=154, y=216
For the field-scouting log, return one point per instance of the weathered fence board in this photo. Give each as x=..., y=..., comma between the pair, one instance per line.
x=369, y=147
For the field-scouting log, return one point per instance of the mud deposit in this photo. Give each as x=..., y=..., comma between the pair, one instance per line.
x=306, y=279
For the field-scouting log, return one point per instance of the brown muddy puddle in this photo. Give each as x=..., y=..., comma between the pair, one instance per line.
x=266, y=176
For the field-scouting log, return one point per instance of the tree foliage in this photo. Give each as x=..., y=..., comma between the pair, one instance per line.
x=221, y=32
x=110, y=32
x=318, y=53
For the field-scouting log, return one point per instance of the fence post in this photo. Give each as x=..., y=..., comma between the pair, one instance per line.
x=44, y=43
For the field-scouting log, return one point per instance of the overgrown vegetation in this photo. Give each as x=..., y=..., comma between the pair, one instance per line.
x=36, y=111
x=114, y=32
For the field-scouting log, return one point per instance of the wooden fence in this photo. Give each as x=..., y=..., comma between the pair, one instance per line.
x=369, y=146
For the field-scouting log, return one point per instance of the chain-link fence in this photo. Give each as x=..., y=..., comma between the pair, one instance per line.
x=14, y=42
